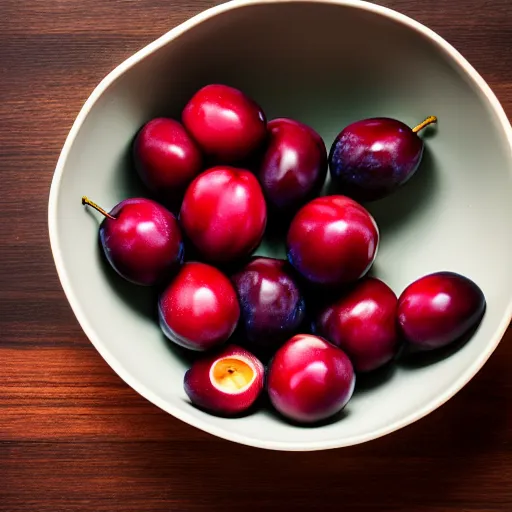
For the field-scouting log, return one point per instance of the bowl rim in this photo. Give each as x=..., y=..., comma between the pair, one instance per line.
x=110, y=358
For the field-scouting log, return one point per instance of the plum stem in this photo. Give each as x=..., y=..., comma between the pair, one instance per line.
x=87, y=201
x=429, y=120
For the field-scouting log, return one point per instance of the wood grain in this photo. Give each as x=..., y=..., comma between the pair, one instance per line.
x=73, y=436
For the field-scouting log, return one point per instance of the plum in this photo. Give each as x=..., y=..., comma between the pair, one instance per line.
x=141, y=240
x=293, y=167
x=372, y=158
x=271, y=303
x=310, y=379
x=225, y=122
x=166, y=158
x=224, y=214
x=438, y=309
x=363, y=324
x=226, y=383
x=332, y=241
x=199, y=309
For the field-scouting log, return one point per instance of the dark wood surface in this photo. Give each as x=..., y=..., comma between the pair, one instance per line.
x=73, y=436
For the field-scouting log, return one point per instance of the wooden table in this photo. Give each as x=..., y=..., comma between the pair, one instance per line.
x=73, y=436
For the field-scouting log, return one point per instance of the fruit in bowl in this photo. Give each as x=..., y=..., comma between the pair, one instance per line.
x=224, y=214
x=141, y=240
x=166, y=158
x=438, y=309
x=226, y=383
x=227, y=124
x=272, y=305
x=199, y=309
x=293, y=166
x=332, y=241
x=372, y=158
x=309, y=379
x=331, y=244
x=429, y=235
x=363, y=324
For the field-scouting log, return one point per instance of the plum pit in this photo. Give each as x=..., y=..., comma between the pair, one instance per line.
x=232, y=375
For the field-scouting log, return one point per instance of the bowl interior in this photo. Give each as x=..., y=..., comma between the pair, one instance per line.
x=325, y=64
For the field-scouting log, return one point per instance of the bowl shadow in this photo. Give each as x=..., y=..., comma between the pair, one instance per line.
x=142, y=300
x=125, y=175
x=276, y=416
x=367, y=381
x=411, y=359
x=184, y=356
x=410, y=200
x=255, y=407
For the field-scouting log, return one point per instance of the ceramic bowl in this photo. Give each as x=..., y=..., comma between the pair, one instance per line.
x=326, y=63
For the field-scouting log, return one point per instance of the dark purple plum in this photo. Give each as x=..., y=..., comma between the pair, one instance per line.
x=272, y=306
x=363, y=324
x=294, y=165
x=438, y=309
x=372, y=158
x=141, y=240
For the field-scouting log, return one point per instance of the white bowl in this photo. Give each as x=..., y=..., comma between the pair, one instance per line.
x=326, y=63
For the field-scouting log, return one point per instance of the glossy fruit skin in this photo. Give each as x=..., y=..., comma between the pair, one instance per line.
x=199, y=309
x=438, y=309
x=224, y=214
x=226, y=123
x=166, y=158
x=332, y=241
x=271, y=303
x=370, y=159
x=144, y=243
x=363, y=324
x=202, y=393
x=294, y=165
x=310, y=379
